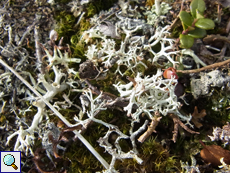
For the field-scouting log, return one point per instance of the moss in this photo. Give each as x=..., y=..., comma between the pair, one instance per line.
x=139, y=68
x=106, y=85
x=77, y=43
x=79, y=51
x=98, y=5
x=128, y=73
x=217, y=107
x=176, y=31
x=156, y=159
x=82, y=159
x=65, y=25
x=66, y=21
x=92, y=9
x=106, y=115
x=2, y=118
x=124, y=123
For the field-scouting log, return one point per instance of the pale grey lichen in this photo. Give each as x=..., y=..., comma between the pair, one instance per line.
x=222, y=134
x=77, y=6
x=124, y=38
x=26, y=137
x=203, y=85
x=95, y=106
x=107, y=52
x=156, y=15
x=131, y=50
x=224, y=168
x=150, y=94
x=189, y=169
x=59, y=58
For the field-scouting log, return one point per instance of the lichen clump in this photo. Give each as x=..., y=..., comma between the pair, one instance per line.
x=102, y=85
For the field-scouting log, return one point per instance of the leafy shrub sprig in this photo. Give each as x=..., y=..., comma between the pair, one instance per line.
x=194, y=24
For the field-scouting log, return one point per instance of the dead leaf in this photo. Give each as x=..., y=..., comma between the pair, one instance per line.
x=213, y=153
x=196, y=116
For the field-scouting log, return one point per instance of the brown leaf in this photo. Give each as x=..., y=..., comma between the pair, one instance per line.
x=213, y=153
x=196, y=116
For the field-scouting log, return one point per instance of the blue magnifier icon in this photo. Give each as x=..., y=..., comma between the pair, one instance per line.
x=9, y=161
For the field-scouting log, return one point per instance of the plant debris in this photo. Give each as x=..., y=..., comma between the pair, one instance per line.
x=213, y=153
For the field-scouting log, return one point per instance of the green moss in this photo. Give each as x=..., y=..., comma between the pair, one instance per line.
x=98, y=5
x=81, y=158
x=2, y=118
x=65, y=25
x=92, y=9
x=139, y=68
x=79, y=51
x=84, y=25
x=106, y=115
x=106, y=85
x=129, y=73
x=66, y=21
x=217, y=107
x=156, y=159
x=176, y=31
x=122, y=121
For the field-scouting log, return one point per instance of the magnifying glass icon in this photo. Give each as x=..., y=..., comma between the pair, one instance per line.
x=9, y=161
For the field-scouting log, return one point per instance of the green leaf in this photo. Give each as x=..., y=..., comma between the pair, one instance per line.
x=198, y=14
x=186, y=18
x=197, y=5
x=190, y=28
x=197, y=33
x=186, y=41
x=205, y=24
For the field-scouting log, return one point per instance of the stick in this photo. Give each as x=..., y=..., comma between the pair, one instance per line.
x=206, y=67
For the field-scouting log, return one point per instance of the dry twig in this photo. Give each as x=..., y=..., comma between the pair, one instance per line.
x=177, y=123
x=151, y=129
x=218, y=64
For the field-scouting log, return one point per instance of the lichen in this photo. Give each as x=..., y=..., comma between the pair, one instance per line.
x=104, y=80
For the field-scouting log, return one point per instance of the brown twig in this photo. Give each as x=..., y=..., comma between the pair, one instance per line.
x=132, y=80
x=218, y=64
x=176, y=19
x=177, y=123
x=151, y=129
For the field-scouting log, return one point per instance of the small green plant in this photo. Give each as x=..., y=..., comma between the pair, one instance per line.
x=194, y=24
